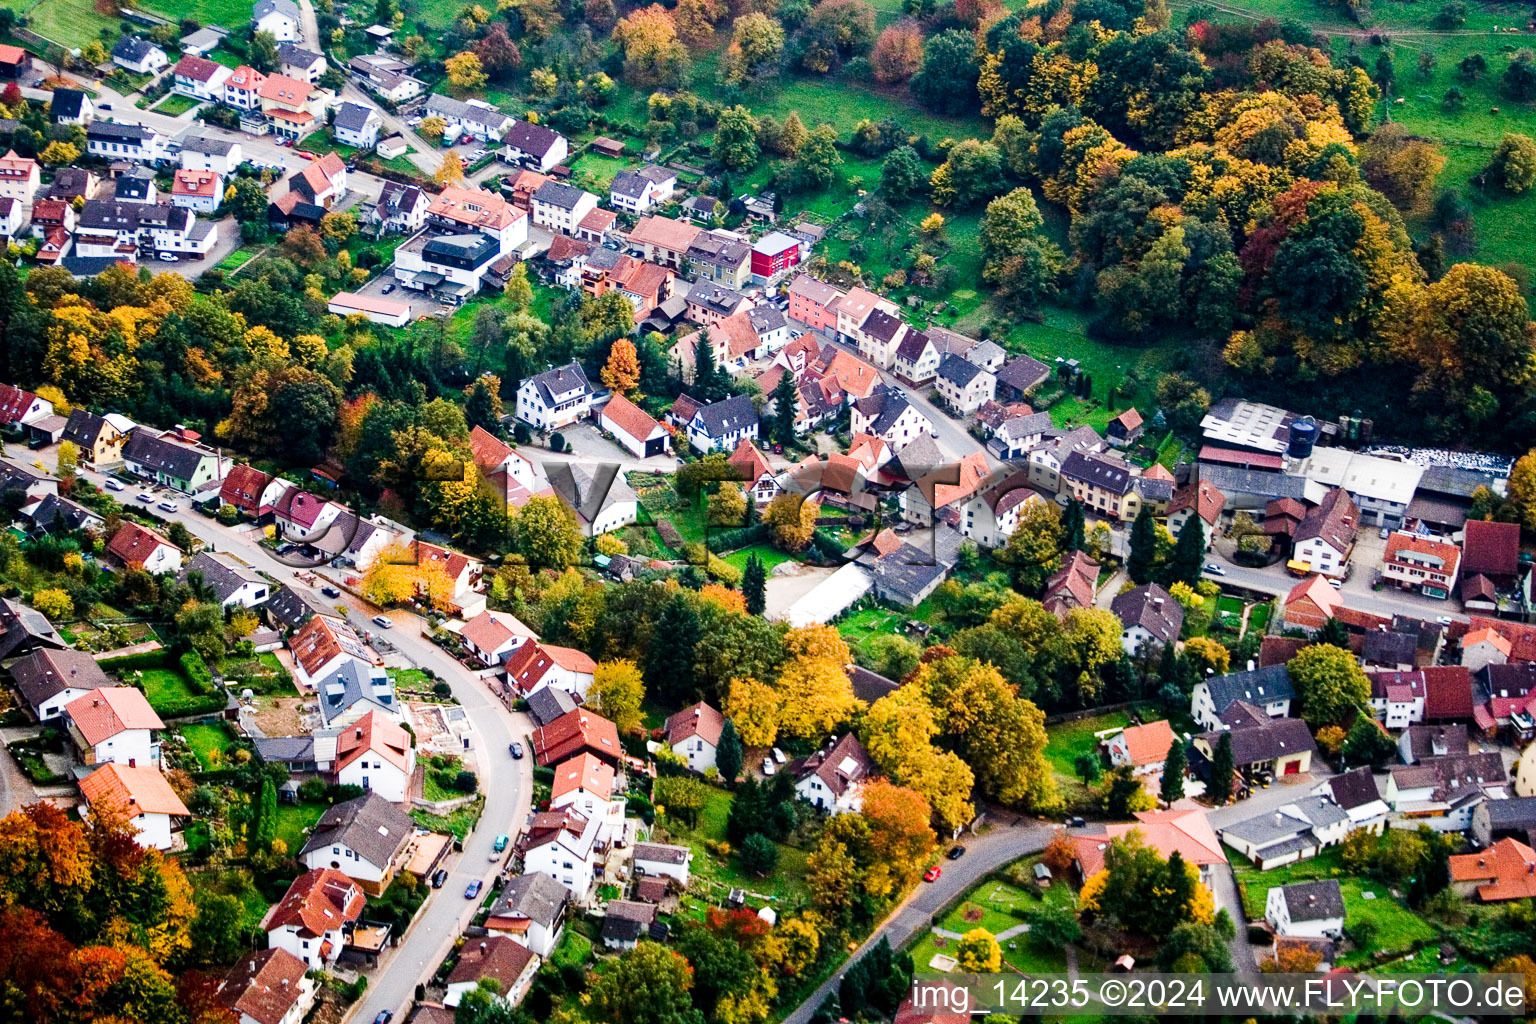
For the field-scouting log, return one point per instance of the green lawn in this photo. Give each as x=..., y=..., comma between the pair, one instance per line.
x=574, y=949
x=208, y=742
x=70, y=22
x=1069, y=740
x=294, y=821
x=175, y=104
x=237, y=259
x=229, y=13
x=770, y=556
x=458, y=824
x=594, y=172
x=989, y=906
x=785, y=883
x=165, y=687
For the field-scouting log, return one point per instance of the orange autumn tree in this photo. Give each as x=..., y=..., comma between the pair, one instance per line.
x=622, y=371
x=899, y=836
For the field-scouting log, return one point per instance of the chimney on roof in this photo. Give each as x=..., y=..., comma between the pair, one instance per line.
x=359, y=732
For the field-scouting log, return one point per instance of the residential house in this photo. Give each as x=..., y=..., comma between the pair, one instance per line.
x=1295, y=831
x=471, y=229
x=56, y=515
x=323, y=181
x=135, y=545
x=532, y=666
x=720, y=426
x=280, y=18
x=757, y=477
x=1177, y=829
x=206, y=153
x=662, y=860
x=357, y=688
x=936, y=486
x=720, y=257
x=599, y=495
x=48, y=217
x=1443, y=792
x=242, y=89
x=591, y=788
x=1416, y=562
x=1047, y=458
x=1072, y=586
x=1397, y=698
x=1198, y=498
x=1310, y=604
x=634, y=428
x=322, y=645
x=1419, y=742
x=1512, y=818
x=555, y=398
x=357, y=125
x=135, y=185
x=534, y=146
x=491, y=637
x=15, y=63
x=202, y=191
x=138, y=55
x=1504, y=871
x=775, y=254
x=1125, y=429
x=907, y=575
x=646, y=285
x=565, y=845
x=1490, y=564
x=881, y=334
x=963, y=385
x=401, y=209
x=303, y=65
x=663, y=241
x=24, y=629
x=1356, y=794
x=1102, y=483
x=574, y=732
x=141, y=797
x=852, y=309
x=315, y=916
x=916, y=359
x=1309, y=909
x=709, y=304
x=1391, y=650
x=303, y=517
x=1261, y=745
x=1506, y=701
x=112, y=141
x=388, y=77
x=598, y=227
x=199, y=79
x=833, y=778
x=290, y=608
x=1149, y=617
x=1019, y=377
x=100, y=441
x=641, y=190
x=116, y=231
x=364, y=838
x=113, y=725
x=1325, y=538
x=811, y=303
x=887, y=414
x=268, y=986
x=626, y=922
x=694, y=735
x=50, y=679
x=990, y=516
x=531, y=909
x=377, y=754
x=495, y=958
x=1143, y=747
x=509, y=471
x=703, y=210
x=1269, y=689
x=233, y=582
x=560, y=207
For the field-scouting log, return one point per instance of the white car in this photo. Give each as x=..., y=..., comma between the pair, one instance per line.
x=382, y=622
x=146, y=497
x=112, y=485
x=477, y=154
x=169, y=506
x=1214, y=569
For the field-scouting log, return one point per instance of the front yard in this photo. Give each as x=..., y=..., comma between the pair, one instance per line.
x=1002, y=909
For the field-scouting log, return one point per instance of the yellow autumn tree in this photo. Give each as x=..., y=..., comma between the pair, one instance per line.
x=451, y=171
x=754, y=707
x=622, y=371
x=617, y=692
x=391, y=578
x=979, y=952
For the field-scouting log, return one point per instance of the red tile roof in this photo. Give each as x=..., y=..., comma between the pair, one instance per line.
x=573, y=732
x=1201, y=496
x=263, y=985
x=375, y=733
x=320, y=900
x=189, y=182
x=1149, y=744
x=531, y=662
x=197, y=69
x=750, y=461
x=133, y=543
x=243, y=488
x=110, y=711
x=700, y=720
x=583, y=772
x=1448, y=692
x=1401, y=541
x=629, y=417
x=489, y=630
x=133, y=790
x=1507, y=869
x=1490, y=549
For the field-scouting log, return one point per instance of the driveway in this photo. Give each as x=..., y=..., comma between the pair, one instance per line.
x=1224, y=889
x=984, y=854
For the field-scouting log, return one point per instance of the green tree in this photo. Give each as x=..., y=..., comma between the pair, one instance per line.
x=972, y=173
x=547, y=534
x=754, y=585
x=650, y=984
x=1174, y=766
x=1188, y=554
x=1367, y=743
x=247, y=201
x=1073, y=525
x=818, y=160
x=902, y=176
x=1520, y=76
x=218, y=925
x=786, y=402
x=1330, y=684
x=1514, y=163
x=736, y=138
x=1223, y=769
x=1142, y=560
x=669, y=658
x=266, y=815
x=947, y=80
x=1033, y=551
x=759, y=854
x=729, y=754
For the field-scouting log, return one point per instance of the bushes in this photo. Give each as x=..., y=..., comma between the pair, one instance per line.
x=197, y=672
x=725, y=540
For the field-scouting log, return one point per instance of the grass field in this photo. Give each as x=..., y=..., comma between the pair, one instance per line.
x=208, y=742
x=785, y=883
x=68, y=22
x=989, y=906
x=1067, y=741
x=594, y=172
x=770, y=556
x=166, y=687
x=174, y=105
x=294, y=820
x=228, y=13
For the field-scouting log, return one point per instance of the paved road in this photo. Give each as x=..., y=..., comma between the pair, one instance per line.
x=984, y=854
x=1357, y=591
x=16, y=789
x=507, y=784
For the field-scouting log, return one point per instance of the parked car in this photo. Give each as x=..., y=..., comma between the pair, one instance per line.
x=146, y=497
x=499, y=847
x=439, y=877
x=516, y=750
x=383, y=622
x=1386, y=531
x=306, y=154
x=1075, y=822
x=477, y=154
x=955, y=852
x=383, y=1017
x=330, y=592
x=932, y=874
x=169, y=506
x=388, y=288
x=167, y=257
x=112, y=485
x=473, y=889
x=1214, y=569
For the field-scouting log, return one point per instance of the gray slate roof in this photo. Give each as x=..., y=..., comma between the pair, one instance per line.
x=1153, y=609
x=46, y=673
x=265, y=7
x=549, y=703
x=222, y=573
x=353, y=117
x=369, y=824
x=1314, y=901
x=562, y=380
x=23, y=628
x=133, y=49
x=536, y=896
x=297, y=56
x=1354, y=788
x=732, y=414
x=559, y=194
x=55, y=514
x=159, y=454
x=288, y=606
x=353, y=684
x=1259, y=686
x=958, y=371
x=67, y=103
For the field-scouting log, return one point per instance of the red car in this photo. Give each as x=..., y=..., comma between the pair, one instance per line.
x=306, y=154
x=932, y=874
